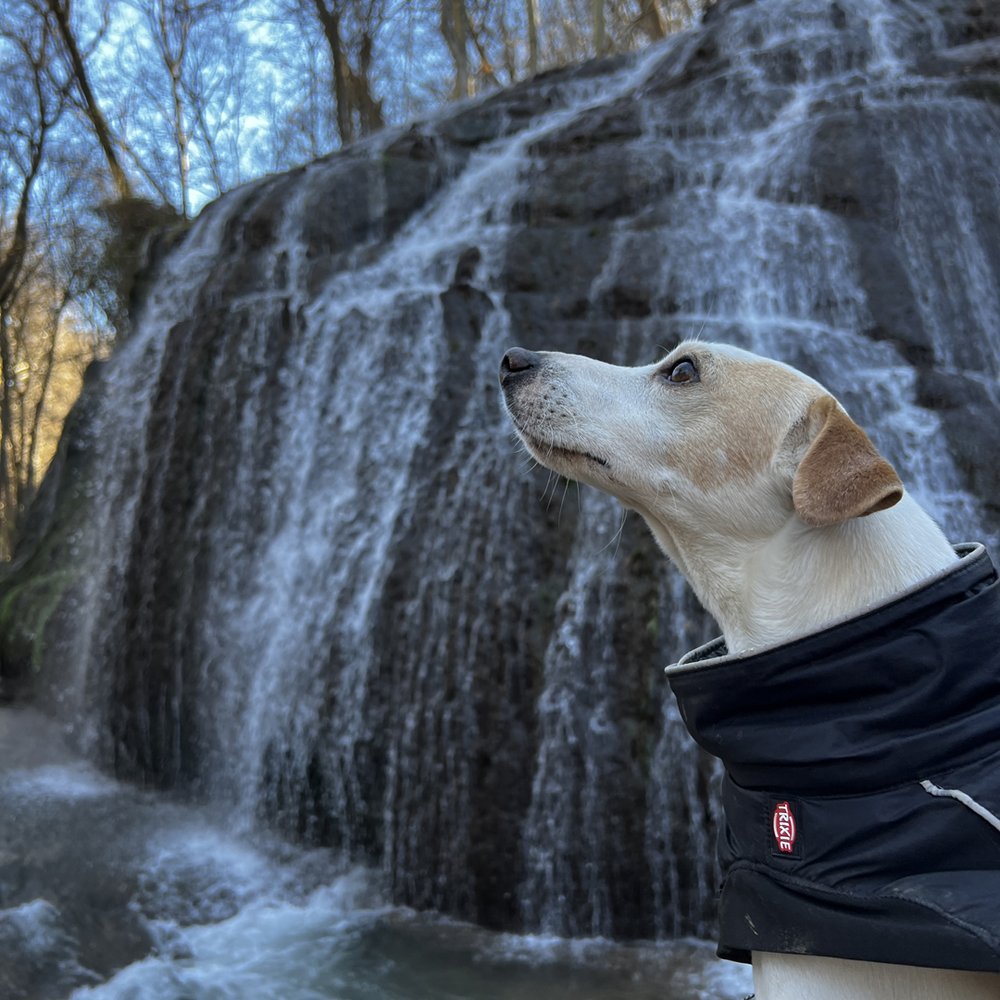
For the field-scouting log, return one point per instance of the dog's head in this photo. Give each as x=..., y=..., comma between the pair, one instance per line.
x=711, y=435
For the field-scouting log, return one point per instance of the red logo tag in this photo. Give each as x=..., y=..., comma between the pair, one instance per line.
x=784, y=829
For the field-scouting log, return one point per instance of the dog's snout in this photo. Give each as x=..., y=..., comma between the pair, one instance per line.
x=518, y=361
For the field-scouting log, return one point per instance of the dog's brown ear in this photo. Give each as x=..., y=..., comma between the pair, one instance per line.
x=841, y=475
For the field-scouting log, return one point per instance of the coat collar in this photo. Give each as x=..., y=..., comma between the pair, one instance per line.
x=865, y=703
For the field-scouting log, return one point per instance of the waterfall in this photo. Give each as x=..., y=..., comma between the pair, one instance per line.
x=307, y=572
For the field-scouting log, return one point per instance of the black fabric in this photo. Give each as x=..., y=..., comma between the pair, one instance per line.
x=862, y=786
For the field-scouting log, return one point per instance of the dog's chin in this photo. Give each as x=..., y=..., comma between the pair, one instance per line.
x=559, y=456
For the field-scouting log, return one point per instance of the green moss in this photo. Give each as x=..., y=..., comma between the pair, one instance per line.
x=25, y=612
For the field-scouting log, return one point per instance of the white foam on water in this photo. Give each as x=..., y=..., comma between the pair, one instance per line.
x=60, y=781
x=270, y=948
x=331, y=946
x=36, y=922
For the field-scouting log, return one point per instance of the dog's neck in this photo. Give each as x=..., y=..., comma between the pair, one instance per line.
x=764, y=591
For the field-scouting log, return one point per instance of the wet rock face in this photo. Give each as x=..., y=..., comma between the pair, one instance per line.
x=290, y=556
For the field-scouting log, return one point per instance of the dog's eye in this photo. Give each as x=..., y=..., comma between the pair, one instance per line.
x=682, y=372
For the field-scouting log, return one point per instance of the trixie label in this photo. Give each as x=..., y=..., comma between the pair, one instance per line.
x=785, y=831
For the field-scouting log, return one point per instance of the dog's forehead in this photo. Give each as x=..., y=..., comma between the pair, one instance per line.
x=741, y=363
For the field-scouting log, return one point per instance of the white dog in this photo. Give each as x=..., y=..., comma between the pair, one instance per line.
x=759, y=486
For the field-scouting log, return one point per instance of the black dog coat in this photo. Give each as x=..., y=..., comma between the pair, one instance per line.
x=862, y=785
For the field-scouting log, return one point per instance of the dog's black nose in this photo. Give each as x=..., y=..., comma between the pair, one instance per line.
x=517, y=361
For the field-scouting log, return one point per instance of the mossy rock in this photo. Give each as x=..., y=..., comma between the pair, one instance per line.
x=139, y=233
x=26, y=609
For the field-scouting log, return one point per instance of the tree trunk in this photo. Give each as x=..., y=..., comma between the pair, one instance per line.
x=599, y=27
x=173, y=60
x=651, y=21
x=369, y=109
x=60, y=11
x=8, y=483
x=181, y=139
x=330, y=20
x=41, y=404
x=485, y=67
x=13, y=257
x=453, y=28
x=532, y=13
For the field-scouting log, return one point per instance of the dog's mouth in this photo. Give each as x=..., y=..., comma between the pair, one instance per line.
x=545, y=450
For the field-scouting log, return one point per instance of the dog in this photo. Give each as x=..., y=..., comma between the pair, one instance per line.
x=778, y=510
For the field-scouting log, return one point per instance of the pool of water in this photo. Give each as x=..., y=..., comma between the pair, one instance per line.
x=111, y=893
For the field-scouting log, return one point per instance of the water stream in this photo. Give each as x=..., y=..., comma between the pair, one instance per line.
x=235, y=917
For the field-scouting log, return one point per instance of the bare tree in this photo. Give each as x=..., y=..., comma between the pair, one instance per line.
x=482, y=17
x=181, y=101
x=189, y=70
x=48, y=351
x=358, y=110
x=33, y=107
x=329, y=19
x=170, y=22
x=215, y=93
x=303, y=127
x=31, y=110
x=34, y=298
x=415, y=54
x=61, y=16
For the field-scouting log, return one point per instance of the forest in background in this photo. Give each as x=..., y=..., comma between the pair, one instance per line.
x=119, y=118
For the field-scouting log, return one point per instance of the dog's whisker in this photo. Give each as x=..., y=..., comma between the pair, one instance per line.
x=551, y=483
x=616, y=538
x=562, y=499
x=705, y=318
x=620, y=533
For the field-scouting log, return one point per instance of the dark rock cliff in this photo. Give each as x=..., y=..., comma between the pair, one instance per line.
x=290, y=557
